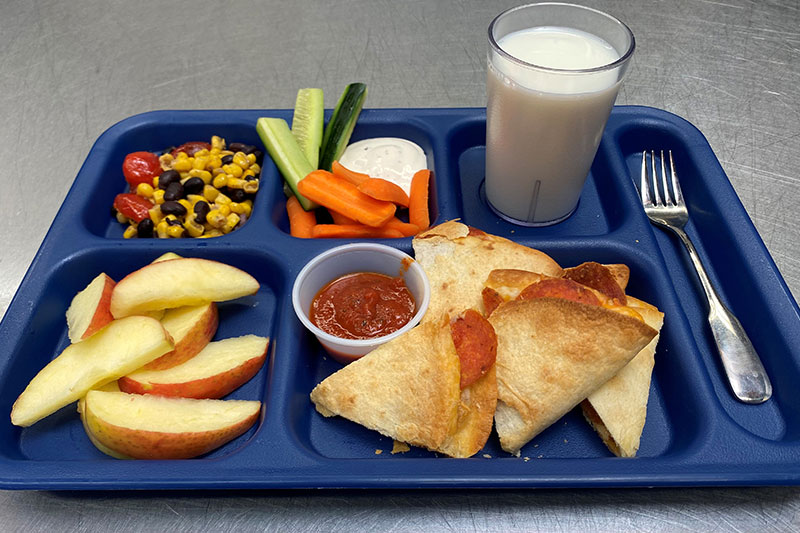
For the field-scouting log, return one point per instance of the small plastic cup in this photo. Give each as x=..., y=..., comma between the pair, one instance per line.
x=347, y=259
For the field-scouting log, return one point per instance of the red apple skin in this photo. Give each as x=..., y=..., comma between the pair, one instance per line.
x=102, y=314
x=213, y=387
x=194, y=341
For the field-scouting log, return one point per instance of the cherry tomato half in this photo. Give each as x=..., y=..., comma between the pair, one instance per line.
x=140, y=167
x=133, y=206
x=191, y=148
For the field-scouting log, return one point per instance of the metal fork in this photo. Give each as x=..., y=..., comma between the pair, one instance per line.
x=746, y=374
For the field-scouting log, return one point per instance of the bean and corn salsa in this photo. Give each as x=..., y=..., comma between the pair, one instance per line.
x=198, y=190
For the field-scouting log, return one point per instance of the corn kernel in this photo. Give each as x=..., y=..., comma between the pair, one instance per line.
x=185, y=203
x=235, y=183
x=161, y=229
x=222, y=199
x=199, y=162
x=214, y=151
x=217, y=172
x=184, y=176
x=182, y=155
x=213, y=232
x=215, y=219
x=194, y=198
x=234, y=170
x=231, y=222
x=170, y=219
x=144, y=189
x=220, y=181
x=210, y=193
x=193, y=228
x=224, y=209
x=166, y=161
x=247, y=173
x=251, y=159
x=240, y=158
x=204, y=175
x=122, y=219
x=182, y=164
x=175, y=231
x=202, y=152
x=155, y=214
x=255, y=167
x=155, y=182
x=158, y=196
x=217, y=142
x=243, y=208
x=130, y=232
x=250, y=186
x=215, y=161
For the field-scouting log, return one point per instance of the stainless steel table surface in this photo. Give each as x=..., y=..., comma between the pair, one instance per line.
x=69, y=70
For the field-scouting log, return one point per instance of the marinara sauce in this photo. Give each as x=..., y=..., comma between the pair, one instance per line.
x=362, y=305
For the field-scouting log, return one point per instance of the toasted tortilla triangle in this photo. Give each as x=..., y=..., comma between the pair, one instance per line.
x=551, y=354
x=457, y=259
x=617, y=410
x=408, y=389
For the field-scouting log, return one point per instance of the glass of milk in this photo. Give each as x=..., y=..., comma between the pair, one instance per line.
x=553, y=74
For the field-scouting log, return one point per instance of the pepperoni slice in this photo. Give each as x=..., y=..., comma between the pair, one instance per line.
x=597, y=277
x=491, y=300
x=476, y=345
x=559, y=288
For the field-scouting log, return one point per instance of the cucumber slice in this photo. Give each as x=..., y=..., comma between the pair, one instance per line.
x=340, y=127
x=309, y=116
x=286, y=154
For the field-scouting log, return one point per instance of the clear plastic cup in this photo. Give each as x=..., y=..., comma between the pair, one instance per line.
x=347, y=259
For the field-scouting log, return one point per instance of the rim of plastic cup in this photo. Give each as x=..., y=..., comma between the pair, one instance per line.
x=609, y=66
x=302, y=314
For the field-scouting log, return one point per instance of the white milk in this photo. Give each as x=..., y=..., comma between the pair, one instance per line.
x=543, y=126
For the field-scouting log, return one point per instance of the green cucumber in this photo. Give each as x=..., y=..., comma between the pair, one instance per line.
x=340, y=127
x=309, y=116
x=286, y=153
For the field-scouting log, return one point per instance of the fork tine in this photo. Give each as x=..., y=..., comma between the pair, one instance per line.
x=676, y=186
x=644, y=183
x=664, y=183
x=656, y=193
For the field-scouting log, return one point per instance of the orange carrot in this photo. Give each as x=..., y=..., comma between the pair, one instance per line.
x=418, y=200
x=300, y=220
x=382, y=189
x=350, y=175
x=407, y=229
x=340, y=195
x=354, y=231
x=339, y=218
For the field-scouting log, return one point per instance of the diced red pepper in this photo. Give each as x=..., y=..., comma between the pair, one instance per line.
x=133, y=206
x=191, y=148
x=140, y=167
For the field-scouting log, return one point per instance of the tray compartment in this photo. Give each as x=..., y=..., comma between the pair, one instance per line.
x=726, y=248
x=60, y=436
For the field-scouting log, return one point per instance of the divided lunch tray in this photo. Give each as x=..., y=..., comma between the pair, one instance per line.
x=696, y=432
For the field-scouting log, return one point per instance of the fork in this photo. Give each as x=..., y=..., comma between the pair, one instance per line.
x=745, y=372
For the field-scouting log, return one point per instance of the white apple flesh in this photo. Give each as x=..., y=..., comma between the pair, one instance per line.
x=221, y=367
x=118, y=349
x=191, y=328
x=179, y=282
x=158, y=427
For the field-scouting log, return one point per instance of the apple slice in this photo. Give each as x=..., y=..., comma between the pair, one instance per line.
x=218, y=369
x=157, y=427
x=89, y=310
x=117, y=350
x=191, y=328
x=166, y=257
x=179, y=282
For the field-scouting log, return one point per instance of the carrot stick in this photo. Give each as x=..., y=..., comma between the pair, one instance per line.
x=339, y=218
x=418, y=200
x=300, y=220
x=407, y=229
x=382, y=189
x=343, y=197
x=350, y=175
x=353, y=231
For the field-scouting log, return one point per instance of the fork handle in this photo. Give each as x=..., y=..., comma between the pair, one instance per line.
x=746, y=374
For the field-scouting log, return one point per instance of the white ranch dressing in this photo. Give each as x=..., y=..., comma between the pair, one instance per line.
x=390, y=158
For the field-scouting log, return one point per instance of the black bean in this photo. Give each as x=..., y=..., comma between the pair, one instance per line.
x=201, y=209
x=174, y=222
x=249, y=177
x=167, y=177
x=171, y=207
x=174, y=191
x=144, y=229
x=237, y=195
x=237, y=147
x=259, y=155
x=227, y=159
x=193, y=186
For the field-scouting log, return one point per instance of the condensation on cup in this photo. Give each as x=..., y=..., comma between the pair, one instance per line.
x=554, y=71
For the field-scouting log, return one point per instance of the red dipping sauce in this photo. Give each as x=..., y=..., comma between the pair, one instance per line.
x=362, y=305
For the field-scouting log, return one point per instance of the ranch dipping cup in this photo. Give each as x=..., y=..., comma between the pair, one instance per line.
x=554, y=71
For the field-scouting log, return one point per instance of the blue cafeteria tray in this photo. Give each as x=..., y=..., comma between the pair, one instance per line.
x=696, y=433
